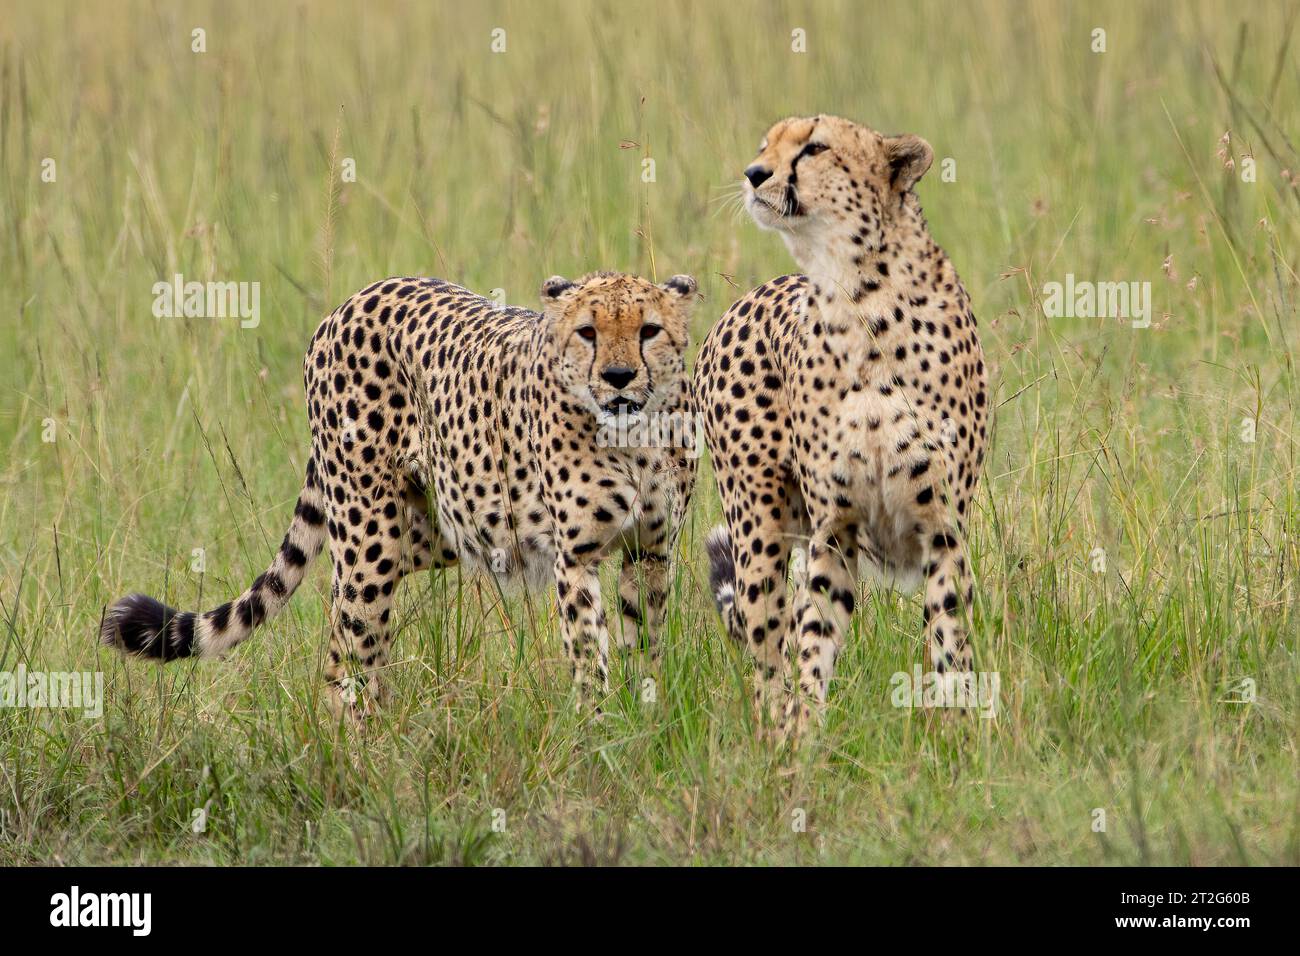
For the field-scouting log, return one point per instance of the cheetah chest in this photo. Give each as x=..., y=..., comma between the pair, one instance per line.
x=873, y=452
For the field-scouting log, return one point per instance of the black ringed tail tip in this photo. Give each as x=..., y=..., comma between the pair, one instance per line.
x=722, y=566
x=145, y=627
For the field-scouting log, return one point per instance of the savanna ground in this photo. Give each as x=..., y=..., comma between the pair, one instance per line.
x=1149, y=690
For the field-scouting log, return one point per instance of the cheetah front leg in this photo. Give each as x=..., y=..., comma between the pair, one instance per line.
x=643, y=597
x=947, y=615
x=644, y=578
x=582, y=624
x=825, y=611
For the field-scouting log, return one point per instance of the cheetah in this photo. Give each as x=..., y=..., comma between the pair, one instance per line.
x=847, y=408
x=446, y=429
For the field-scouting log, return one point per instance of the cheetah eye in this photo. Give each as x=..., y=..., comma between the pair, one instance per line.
x=650, y=331
x=588, y=332
x=812, y=149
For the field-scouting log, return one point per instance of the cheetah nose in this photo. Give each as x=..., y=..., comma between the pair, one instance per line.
x=757, y=175
x=618, y=375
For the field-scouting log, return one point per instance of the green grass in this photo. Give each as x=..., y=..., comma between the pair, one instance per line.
x=1120, y=690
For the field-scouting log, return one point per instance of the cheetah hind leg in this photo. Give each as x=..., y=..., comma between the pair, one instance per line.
x=364, y=590
x=424, y=546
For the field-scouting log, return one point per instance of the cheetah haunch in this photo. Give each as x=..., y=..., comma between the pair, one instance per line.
x=846, y=408
x=446, y=428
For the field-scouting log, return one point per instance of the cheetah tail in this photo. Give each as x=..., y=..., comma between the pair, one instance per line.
x=140, y=625
x=722, y=578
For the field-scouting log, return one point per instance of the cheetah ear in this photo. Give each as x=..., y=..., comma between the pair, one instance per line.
x=909, y=157
x=556, y=286
x=684, y=287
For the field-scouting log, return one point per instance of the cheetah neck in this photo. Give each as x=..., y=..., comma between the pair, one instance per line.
x=852, y=280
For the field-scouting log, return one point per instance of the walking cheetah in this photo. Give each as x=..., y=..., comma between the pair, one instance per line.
x=846, y=407
x=446, y=428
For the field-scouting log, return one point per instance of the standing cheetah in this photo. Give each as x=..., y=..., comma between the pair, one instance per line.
x=446, y=428
x=847, y=407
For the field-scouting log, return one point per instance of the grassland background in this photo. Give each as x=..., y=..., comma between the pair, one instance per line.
x=1121, y=690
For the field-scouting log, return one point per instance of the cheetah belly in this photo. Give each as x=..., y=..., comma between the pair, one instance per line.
x=489, y=507
x=882, y=504
x=524, y=559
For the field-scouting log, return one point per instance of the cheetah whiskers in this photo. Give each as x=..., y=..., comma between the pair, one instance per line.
x=731, y=203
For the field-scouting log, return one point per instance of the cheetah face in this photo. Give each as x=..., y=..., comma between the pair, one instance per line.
x=822, y=175
x=619, y=342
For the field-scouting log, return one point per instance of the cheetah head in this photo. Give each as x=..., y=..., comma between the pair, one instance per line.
x=619, y=341
x=821, y=177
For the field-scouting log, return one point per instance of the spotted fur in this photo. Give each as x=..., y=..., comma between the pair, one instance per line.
x=845, y=408
x=445, y=429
